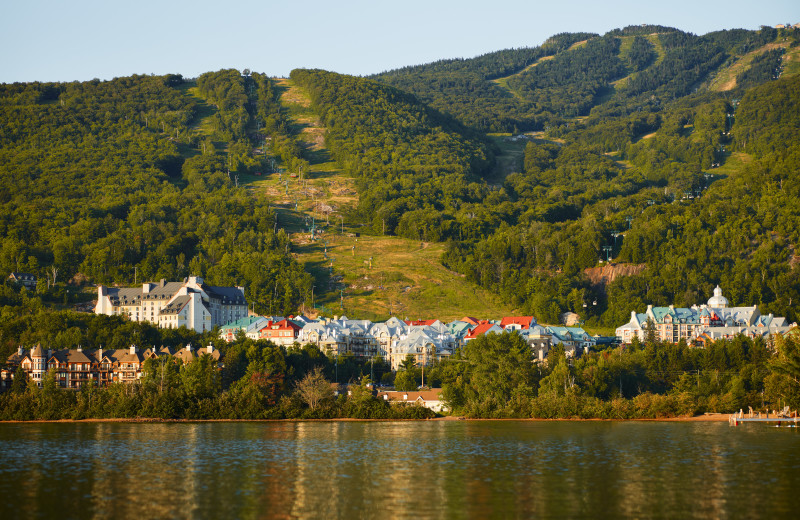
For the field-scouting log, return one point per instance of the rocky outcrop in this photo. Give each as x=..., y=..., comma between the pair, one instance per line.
x=609, y=272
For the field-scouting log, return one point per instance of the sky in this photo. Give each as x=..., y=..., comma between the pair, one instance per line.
x=54, y=40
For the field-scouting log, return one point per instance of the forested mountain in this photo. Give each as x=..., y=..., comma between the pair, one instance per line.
x=653, y=147
x=109, y=180
x=637, y=172
x=572, y=74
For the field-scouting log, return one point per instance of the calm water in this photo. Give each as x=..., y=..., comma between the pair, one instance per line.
x=430, y=469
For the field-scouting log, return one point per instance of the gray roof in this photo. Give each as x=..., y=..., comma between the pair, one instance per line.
x=228, y=295
x=176, y=305
x=162, y=292
x=125, y=295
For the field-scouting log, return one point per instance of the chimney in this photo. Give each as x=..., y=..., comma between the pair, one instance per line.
x=20, y=351
x=210, y=348
x=189, y=347
x=133, y=349
x=80, y=349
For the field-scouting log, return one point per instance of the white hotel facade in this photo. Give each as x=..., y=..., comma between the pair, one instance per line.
x=190, y=303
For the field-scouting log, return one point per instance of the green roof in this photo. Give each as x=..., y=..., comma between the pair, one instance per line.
x=242, y=323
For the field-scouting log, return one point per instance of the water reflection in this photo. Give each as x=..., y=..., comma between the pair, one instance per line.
x=426, y=469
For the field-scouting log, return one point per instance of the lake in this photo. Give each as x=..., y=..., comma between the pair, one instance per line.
x=425, y=469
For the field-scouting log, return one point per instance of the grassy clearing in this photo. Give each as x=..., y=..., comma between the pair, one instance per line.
x=725, y=79
x=791, y=62
x=383, y=276
x=659, y=47
x=378, y=276
x=503, y=82
x=202, y=122
x=624, y=50
x=734, y=163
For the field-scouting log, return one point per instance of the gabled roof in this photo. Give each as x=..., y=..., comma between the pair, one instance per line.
x=124, y=295
x=280, y=325
x=569, y=333
x=420, y=322
x=162, y=291
x=176, y=305
x=185, y=354
x=157, y=352
x=524, y=321
x=77, y=356
x=434, y=394
x=248, y=324
x=483, y=328
x=125, y=356
x=395, y=322
x=22, y=276
x=16, y=358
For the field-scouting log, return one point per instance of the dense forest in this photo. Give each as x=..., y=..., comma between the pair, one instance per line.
x=415, y=167
x=110, y=182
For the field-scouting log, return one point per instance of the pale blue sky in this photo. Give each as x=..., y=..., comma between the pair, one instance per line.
x=57, y=40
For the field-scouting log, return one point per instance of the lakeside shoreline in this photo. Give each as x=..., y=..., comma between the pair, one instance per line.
x=716, y=417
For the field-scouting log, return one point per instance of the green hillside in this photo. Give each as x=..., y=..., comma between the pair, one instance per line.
x=646, y=145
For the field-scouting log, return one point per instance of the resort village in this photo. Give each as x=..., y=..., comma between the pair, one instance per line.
x=198, y=306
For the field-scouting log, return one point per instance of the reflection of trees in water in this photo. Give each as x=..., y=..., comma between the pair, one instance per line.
x=351, y=469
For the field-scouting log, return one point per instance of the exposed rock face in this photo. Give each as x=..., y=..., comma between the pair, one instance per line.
x=611, y=271
x=570, y=319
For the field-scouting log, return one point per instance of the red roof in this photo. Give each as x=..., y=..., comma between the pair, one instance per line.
x=470, y=320
x=420, y=323
x=281, y=325
x=479, y=329
x=524, y=321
